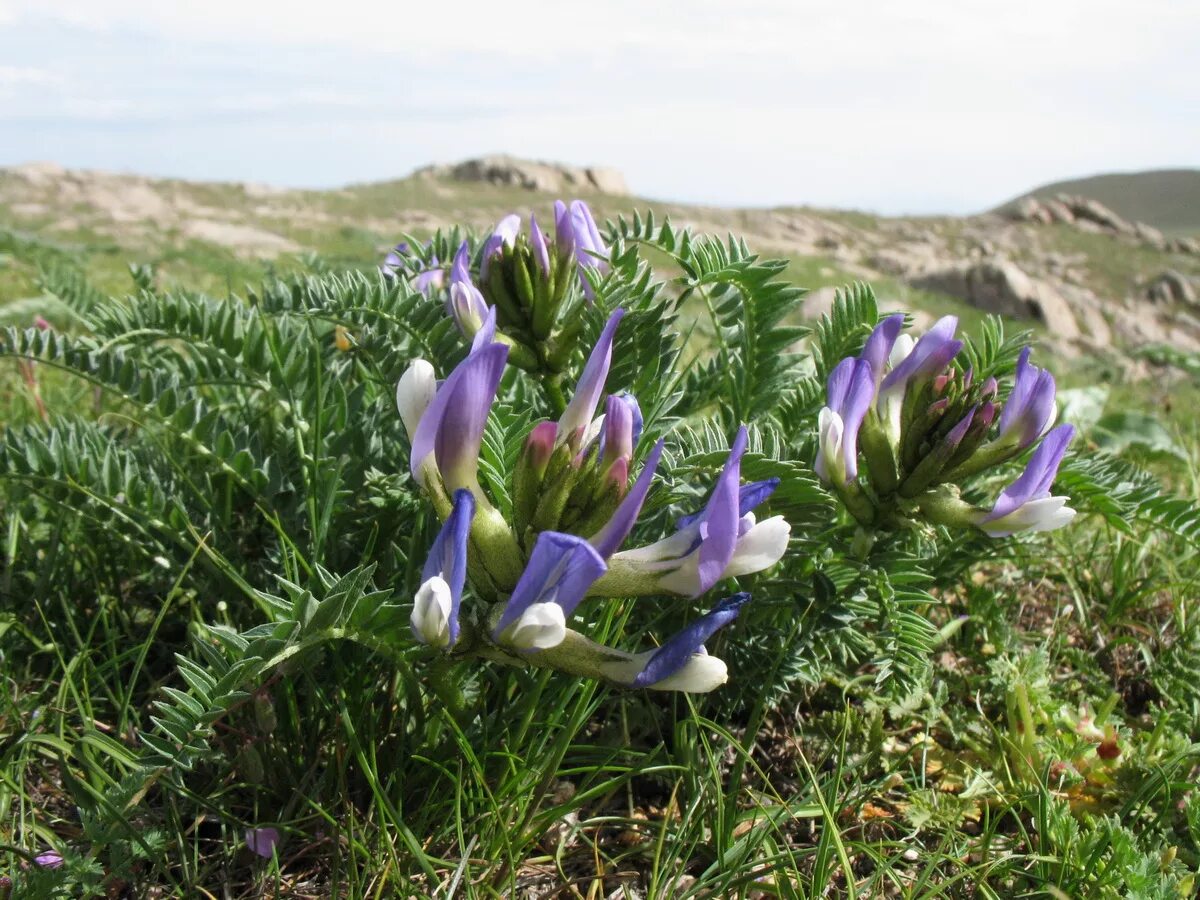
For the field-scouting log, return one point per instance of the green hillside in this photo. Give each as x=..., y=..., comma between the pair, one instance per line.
x=1167, y=198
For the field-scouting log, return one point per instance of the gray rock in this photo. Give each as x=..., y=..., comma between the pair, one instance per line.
x=999, y=286
x=1172, y=287
x=532, y=175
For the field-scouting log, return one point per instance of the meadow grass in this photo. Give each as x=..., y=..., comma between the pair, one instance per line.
x=389, y=772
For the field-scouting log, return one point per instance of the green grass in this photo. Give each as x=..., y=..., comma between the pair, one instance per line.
x=391, y=772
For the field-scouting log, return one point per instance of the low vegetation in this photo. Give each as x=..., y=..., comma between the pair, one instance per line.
x=212, y=541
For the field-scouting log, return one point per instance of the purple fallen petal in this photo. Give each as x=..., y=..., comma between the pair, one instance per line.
x=262, y=841
x=560, y=570
x=610, y=538
x=675, y=653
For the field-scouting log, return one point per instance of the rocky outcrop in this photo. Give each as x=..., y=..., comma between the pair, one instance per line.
x=533, y=175
x=1091, y=215
x=999, y=286
x=1172, y=287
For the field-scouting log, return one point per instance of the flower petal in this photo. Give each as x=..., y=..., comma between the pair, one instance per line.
x=721, y=516
x=560, y=570
x=582, y=408
x=679, y=650
x=452, y=427
x=1034, y=483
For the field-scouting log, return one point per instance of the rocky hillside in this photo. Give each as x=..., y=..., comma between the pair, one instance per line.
x=1168, y=199
x=1094, y=283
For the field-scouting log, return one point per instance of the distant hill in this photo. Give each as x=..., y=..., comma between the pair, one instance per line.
x=1168, y=199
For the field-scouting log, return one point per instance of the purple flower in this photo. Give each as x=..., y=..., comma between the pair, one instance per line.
x=878, y=349
x=574, y=423
x=721, y=541
x=588, y=245
x=564, y=233
x=1026, y=504
x=435, y=609
x=448, y=434
x=682, y=663
x=504, y=235
x=622, y=428
x=431, y=279
x=426, y=281
x=465, y=303
x=928, y=357
x=51, y=859
x=850, y=391
x=262, y=841
x=1030, y=406
x=560, y=570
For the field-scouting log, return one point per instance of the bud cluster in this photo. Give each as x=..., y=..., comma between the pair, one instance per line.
x=922, y=424
x=534, y=283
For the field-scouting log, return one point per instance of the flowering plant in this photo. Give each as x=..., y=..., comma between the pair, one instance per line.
x=572, y=506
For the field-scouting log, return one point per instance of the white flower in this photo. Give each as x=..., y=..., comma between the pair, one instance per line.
x=540, y=627
x=760, y=546
x=699, y=675
x=1044, y=514
x=830, y=429
x=414, y=393
x=431, y=612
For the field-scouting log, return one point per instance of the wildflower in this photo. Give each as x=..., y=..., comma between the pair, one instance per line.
x=435, y=608
x=560, y=570
x=682, y=663
x=341, y=339
x=503, y=235
x=414, y=393
x=1029, y=410
x=465, y=303
x=723, y=540
x=578, y=237
x=427, y=280
x=928, y=425
x=1026, y=504
x=576, y=421
x=446, y=439
x=850, y=392
x=51, y=859
x=912, y=368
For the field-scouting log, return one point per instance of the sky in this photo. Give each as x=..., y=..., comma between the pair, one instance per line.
x=908, y=106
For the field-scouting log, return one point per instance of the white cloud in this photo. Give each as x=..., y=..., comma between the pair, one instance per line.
x=931, y=104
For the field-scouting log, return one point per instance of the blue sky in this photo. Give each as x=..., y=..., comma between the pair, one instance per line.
x=934, y=106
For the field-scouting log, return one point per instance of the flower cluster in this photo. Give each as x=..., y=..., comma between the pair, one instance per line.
x=921, y=424
x=527, y=279
x=572, y=509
